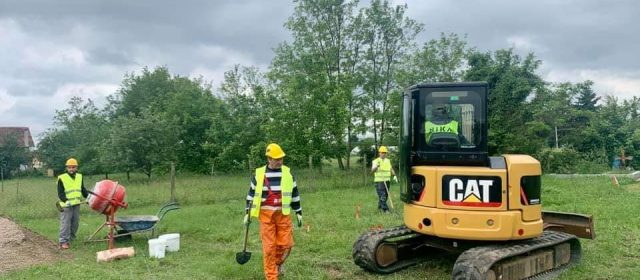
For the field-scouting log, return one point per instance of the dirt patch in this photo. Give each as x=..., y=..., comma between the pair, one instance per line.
x=20, y=247
x=333, y=271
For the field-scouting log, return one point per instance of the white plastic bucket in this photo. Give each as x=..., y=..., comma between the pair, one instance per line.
x=173, y=241
x=157, y=248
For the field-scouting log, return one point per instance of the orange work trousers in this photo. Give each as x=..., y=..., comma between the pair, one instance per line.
x=276, y=232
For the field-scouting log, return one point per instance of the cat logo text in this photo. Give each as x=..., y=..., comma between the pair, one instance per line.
x=474, y=191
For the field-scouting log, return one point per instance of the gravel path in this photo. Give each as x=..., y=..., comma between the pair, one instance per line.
x=20, y=248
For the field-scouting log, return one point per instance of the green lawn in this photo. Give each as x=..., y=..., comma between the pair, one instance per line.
x=210, y=224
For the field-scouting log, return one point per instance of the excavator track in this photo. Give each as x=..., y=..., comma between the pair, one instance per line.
x=388, y=250
x=539, y=258
x=378, y=251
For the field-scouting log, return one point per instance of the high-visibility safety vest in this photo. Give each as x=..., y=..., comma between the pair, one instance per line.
x=72, y=188
x=432, y=128
x=383, y=173
x=286, y=189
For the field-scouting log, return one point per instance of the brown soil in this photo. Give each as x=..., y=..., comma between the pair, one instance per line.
x=20, y=247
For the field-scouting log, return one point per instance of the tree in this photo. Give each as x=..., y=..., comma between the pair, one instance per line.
x=313, y=76
x=12, y=154
x=144, y=142
x=237, y=122
x=189, y=101
x=586, y=98
x=512, y=81
x=55, y=147
x=388, y=36
x=439, y=60
x=80, y=131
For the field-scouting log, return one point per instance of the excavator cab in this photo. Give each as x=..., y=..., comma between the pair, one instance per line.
x=445, y=124
x=459, y=199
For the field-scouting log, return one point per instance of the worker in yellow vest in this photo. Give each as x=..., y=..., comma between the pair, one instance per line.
x=70, y=192
x=444, y=128
x=272, y=197
x=382, y=171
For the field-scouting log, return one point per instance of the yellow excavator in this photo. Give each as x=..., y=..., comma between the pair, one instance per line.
x=460, y=200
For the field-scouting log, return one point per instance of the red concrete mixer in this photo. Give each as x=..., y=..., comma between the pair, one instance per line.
x=107, y=196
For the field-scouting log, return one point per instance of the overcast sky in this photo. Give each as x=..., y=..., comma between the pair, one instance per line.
x=53, y=50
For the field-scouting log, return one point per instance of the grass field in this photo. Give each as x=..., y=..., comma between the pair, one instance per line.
x=210, y=224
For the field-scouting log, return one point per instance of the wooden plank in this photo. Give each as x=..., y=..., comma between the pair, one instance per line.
x=115, y=254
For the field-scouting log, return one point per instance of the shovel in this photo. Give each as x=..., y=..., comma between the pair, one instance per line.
x=244, y=256
x=388, y=195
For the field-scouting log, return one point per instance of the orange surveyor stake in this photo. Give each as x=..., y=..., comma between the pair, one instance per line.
x=614, y=181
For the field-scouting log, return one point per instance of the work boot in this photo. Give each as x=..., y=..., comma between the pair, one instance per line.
x=64, y=246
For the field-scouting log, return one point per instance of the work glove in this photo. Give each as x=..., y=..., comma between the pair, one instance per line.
x=60, y=209
x=299, y=216
x=245, y=221
x=395, y=179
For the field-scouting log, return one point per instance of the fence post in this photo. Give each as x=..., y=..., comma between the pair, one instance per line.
x=364, y=169
x=173, y=182
x=250, y=164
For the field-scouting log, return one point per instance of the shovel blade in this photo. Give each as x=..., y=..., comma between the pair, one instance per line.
x=243, y=257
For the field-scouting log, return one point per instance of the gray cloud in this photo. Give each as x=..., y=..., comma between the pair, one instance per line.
x=52, y=50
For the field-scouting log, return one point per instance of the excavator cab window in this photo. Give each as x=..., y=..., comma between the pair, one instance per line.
x=449, y=121
x=445, y=124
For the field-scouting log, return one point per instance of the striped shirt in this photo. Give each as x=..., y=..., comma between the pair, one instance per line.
x=272, y=185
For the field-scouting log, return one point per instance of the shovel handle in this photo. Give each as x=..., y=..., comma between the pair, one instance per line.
x=388, y=195
x=246, y=228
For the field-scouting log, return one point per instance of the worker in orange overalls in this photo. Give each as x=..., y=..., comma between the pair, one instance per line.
x=272, y=196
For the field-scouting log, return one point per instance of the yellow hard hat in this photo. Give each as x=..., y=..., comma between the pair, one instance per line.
x=383, y=149
x=72, y=162
x=274, y=151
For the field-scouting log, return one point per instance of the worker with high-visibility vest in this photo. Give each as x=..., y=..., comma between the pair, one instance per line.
x=442, y=126
x=272, y=197
x=382, y=172
x=70, y=192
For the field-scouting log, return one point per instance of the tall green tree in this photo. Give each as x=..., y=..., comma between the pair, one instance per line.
x=190, y=102
x=145, y=141
x=512, y=81
x=586, y=98
x=389, y=34
x=314, y=77
x=80, y=130
x=237, y=122
x=438, y=60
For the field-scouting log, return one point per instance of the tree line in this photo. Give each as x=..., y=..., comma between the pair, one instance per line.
x=334, y=86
